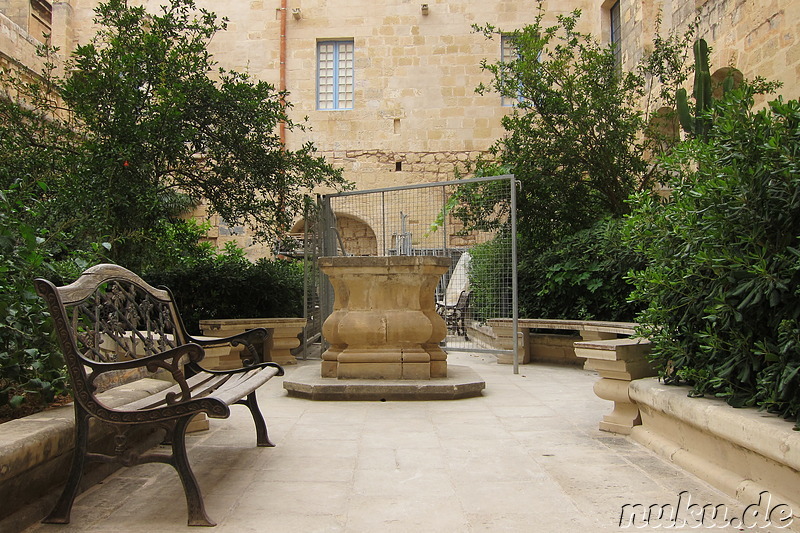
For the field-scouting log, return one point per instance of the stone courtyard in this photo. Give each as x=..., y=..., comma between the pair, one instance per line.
x=525, y=456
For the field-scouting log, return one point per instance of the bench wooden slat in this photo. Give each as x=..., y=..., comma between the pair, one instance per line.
x=231, y=393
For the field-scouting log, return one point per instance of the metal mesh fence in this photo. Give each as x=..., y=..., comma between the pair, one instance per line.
x=470, y=221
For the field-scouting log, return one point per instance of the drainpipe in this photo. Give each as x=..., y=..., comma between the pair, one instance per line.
x=282, y=83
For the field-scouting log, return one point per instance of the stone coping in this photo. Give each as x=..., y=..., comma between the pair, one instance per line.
x=36, y=452
x=741, y=451
x=37, y=438
x=461, y=382
x=620, y=328
x=626, y=349
x=224, y=323
x=384, y=261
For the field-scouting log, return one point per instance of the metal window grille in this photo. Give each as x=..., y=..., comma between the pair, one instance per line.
x=335, y=73
x=471, y=221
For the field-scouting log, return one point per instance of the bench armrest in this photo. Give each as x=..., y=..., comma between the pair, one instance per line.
x=169, y=360
x=246, y=338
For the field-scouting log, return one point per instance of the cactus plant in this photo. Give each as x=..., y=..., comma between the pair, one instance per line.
x=700, y=123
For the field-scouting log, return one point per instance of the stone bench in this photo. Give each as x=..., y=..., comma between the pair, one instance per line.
x=278, y=348
x=539, y=342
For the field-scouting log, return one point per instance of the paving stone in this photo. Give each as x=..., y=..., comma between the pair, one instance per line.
x=525, y=456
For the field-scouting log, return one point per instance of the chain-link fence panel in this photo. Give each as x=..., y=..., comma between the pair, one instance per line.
x=470, y=221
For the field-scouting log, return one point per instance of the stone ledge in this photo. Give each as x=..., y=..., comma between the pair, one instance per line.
x=743, y=452
x=461, y=382
x=35, y=454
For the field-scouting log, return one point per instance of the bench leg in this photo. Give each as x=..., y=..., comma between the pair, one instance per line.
x=60, y=513
x=262, y=438
x=194, y=499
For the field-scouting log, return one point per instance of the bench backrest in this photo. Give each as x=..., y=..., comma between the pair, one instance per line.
x=109, y=315
x=463, y=300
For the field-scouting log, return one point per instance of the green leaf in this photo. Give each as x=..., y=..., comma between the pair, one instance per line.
x=16, y=401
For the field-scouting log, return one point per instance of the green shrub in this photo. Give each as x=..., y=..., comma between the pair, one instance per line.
x=229, y=286
x=490, y=278
x=32, y=370
x=722, y=286
x=580, y=277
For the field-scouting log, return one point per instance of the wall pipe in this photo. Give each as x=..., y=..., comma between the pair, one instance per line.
x=282, y=81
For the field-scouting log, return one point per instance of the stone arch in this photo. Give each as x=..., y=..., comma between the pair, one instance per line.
x=719, y=77
x=357, y=235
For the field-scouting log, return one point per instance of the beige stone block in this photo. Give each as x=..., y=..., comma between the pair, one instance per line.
x=198, y=423
x=416, y=370
x=614, y=349
x=370, y=354
x=740, y=451
x=329, y=369
x=617, y=361
x=504, y=341
x=438, y=369
x=416, y=356
x=371, y=370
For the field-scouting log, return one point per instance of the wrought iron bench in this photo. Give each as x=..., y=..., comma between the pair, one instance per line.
x=455, y=314
x=111, y=321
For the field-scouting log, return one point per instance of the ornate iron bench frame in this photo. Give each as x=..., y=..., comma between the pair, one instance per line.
x=455, y=314
x=110, y=321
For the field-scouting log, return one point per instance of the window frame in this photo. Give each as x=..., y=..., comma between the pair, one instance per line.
x=615, y=34
x=338, y=78
x=506, y=46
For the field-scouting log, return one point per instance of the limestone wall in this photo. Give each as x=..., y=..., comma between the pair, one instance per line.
x=415, y=76
x=757, y=37
x=17, y=47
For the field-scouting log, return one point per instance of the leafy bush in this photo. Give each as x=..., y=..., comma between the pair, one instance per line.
x=581, y=277
x=490, y=278
x=722, y=287
x=140, y=123
x=31, y=367
x=229, y=286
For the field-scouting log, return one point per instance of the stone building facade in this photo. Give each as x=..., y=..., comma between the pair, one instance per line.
x=759, y=38
x=388, y=89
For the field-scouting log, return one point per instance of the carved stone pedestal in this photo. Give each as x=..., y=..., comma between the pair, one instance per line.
x=618, y=361
x=384, y=324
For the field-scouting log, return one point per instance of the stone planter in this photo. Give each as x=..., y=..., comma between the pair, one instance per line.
x=36, y=451
x=384, y=323
x=751, y=455
x=278, y=348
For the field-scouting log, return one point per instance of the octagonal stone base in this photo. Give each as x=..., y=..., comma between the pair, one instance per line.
x=461, y=382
